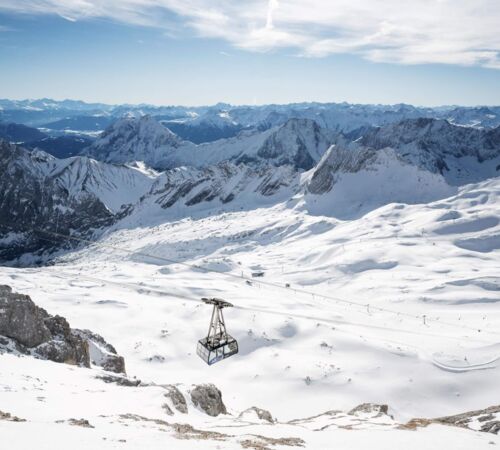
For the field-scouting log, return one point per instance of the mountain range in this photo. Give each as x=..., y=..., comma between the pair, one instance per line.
x=139, y=166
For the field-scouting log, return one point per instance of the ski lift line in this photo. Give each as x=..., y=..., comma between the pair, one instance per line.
x=302, y=291
x=266, y=283
x=147, y=291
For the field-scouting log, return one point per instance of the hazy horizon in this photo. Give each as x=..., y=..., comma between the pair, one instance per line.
x=164, y=52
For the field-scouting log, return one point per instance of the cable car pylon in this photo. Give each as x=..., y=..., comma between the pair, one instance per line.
x=218, y=344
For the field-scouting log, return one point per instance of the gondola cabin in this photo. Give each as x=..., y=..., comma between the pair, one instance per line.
x=218, y=344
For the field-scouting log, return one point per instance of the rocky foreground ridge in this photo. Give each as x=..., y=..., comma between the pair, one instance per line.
x=27, y=329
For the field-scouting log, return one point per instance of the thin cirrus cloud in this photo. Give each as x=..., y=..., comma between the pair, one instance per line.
x=459, y=32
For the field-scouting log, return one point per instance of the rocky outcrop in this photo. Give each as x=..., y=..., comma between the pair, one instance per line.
x=64, y=346
x=176, y=398
x=371, y=409
x=35, y=332
x=28, y=329
x=10, y=418
x=486, y=420
x=21, y=319
x=101, y=353
x=261, y=414
x=209, y=399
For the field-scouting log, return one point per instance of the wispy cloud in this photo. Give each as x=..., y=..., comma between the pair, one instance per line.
x=461, y=32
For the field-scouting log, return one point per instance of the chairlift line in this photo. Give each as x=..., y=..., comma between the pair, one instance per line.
x=248, y=280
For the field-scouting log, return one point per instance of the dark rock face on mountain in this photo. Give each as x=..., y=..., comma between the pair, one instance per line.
x=39, y=192
x=209, y=399
x=28, y=329
x=299, y=143
x=429, y=142
x=338, y=160
x=223, y=183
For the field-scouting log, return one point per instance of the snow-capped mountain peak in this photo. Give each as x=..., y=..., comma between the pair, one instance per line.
x=133, y=139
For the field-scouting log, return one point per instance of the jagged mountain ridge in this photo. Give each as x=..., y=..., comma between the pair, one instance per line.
x=459, y=153
x=201, y=123
x=299, y=142
x=414, y=161
x=39, y=191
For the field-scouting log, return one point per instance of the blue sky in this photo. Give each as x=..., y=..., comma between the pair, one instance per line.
x=166, y=57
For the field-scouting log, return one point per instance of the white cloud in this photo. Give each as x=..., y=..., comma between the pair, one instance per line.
x=461, y=32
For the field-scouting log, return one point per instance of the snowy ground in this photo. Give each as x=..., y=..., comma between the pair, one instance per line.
x=300, y=354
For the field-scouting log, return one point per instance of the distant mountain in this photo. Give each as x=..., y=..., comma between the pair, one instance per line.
x=479, y=117
x=211, y=126
x=209, y=123
x=80, y=123
x=135, y=139
x=14, y=132
x=297, y=142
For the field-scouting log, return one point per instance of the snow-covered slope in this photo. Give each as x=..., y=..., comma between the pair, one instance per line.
x=350, y=182
x=342, y=323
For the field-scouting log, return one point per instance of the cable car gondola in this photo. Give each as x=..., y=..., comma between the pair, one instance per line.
x=218, y=344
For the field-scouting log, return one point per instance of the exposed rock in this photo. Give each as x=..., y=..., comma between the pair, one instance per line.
x=121, y=381
x=488, y=418
x=261, y=414
x=482, y=415
x=261, y=442
x=182, y=430
x=10, y=418
x=371, y=409
x=167, y=409
x=177, y=399
x=491, y=427
x=338, y=159
x=208, y=398
x=102, y=353
x=21, y=319
x=77, y=422
x=28, y=329
x=65, y=346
